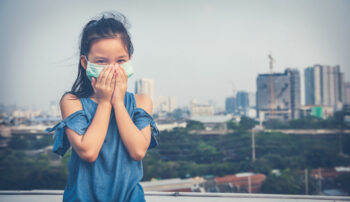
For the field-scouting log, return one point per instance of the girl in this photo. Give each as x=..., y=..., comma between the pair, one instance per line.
x=110, y=129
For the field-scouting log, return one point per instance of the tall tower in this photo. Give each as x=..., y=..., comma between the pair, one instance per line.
x=286, y=95
x=324, y=85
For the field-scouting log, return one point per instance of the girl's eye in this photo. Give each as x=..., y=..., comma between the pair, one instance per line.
x=121, y=61
x=101, y=62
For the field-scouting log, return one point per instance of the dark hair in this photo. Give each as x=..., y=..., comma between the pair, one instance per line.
x=109, y=25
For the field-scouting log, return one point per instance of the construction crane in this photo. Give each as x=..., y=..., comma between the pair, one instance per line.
x=272, y=98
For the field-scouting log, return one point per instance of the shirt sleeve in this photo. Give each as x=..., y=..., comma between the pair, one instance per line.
x=142, y=119
x=77, y=121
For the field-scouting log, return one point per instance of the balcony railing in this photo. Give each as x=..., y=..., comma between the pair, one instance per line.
x=56, y=195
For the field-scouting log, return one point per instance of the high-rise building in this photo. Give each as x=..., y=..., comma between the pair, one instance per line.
x=286, y=91
x=242, y=102
x=252, y=99
x=145, y=86
x=230, y=105
x=324, y=86
x=347, y=93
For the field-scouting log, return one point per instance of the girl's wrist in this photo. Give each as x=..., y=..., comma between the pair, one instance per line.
x=104, y=104
x=118, y=104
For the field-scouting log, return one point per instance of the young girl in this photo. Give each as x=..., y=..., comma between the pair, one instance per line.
x=110, y=129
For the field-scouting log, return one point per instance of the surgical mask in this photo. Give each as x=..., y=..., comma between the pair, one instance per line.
x=94, y=70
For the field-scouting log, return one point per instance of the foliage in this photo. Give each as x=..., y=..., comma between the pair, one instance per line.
x=310, y=122
x=247, y=123
x=194, y=125
x=18, y=172
x=183, y=155
x=289, y=182
x=29, y=142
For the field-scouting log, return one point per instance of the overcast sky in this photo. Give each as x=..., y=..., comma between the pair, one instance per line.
x=192, y=49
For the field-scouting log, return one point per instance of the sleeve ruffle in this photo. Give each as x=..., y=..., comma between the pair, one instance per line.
x=142, y=119
x=77, y=121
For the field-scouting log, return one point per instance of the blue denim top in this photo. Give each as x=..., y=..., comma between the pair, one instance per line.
x=114, y=176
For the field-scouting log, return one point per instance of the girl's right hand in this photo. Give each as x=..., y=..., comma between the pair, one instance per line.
x=105, y=84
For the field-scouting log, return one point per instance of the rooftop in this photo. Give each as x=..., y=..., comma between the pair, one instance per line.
x=56, y=195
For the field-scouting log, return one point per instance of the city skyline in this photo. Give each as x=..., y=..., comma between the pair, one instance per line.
x=197, y=49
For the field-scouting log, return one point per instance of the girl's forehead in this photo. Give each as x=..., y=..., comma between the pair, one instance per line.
x=109, y=47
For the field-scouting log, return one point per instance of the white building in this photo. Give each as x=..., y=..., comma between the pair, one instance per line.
x=30, y=114
x=201, y=109
x=165, y=104
x=324, y=85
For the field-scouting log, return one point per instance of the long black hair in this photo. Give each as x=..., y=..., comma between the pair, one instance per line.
x=109, y=25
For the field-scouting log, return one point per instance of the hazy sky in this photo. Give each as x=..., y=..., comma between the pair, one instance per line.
x=192, y=49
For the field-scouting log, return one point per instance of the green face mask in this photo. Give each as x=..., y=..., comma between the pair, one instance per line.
x=94, y=70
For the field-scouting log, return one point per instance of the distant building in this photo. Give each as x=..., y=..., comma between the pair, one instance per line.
x=170, y=125
x=54, y=109
x=322, y=112
x=286, y=90
x=218, y=122
x=252, y=99
x=145, y=86
x=28, y=113
x=347, y=93
x=241, y=182
x=324, y=85
x=201, y=109
x=165, y=104
x=174, y=185
x=242, y=103
x=230, y=105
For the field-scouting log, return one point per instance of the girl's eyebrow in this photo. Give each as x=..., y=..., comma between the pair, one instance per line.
x=99, y=57
x=122, y=56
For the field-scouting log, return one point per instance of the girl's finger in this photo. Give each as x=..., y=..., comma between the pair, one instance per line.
x=124, y=72
x=110, y=74
x=102, y=76
x=120, y=76
x=125, y=75
x=113, y=80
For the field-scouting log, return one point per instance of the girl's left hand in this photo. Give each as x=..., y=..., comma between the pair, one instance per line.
x=121, y=85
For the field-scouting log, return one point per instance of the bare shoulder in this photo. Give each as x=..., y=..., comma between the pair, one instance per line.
x=69, y=104
x=144, y=101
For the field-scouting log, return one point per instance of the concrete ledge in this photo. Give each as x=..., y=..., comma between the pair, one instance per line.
x=56, y=195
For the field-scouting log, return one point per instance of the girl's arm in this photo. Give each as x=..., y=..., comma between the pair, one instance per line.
x=88, y=146
x=135, y=140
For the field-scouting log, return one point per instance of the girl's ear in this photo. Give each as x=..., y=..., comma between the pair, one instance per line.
x=83, y=61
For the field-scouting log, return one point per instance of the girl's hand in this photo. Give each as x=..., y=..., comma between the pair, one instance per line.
x=121, y=85
x=105, y=84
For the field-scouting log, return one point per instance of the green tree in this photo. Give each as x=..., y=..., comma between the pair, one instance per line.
x=194, y=125
x=289, y=182
x=247, y=123
x=232, y=125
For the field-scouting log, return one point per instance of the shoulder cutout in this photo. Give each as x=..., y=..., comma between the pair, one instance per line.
x=144, y=101
x=69, y=104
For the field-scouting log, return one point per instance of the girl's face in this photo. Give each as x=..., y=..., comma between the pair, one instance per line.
x=106, y=51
